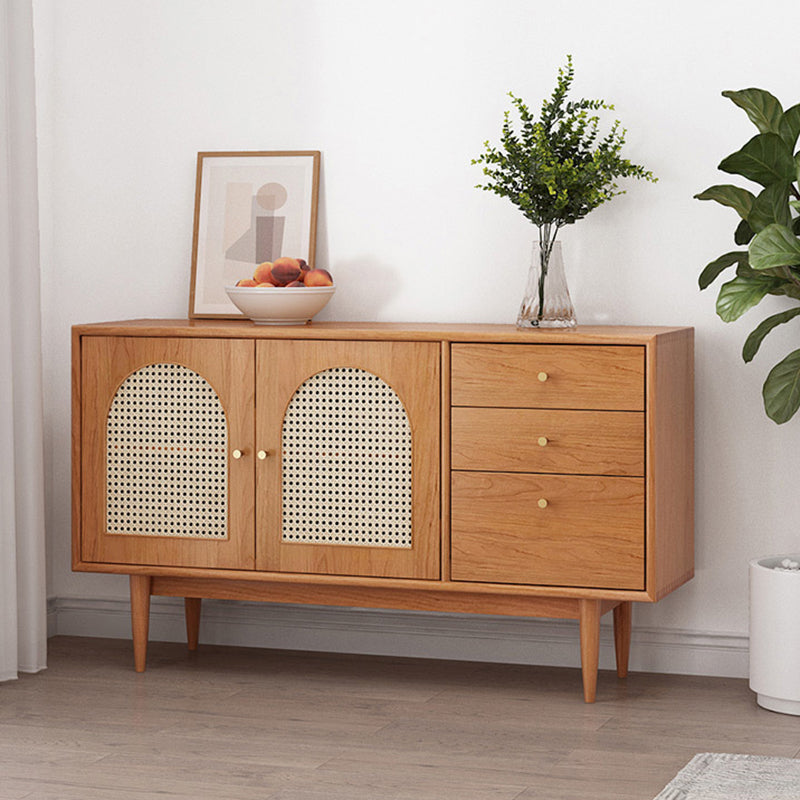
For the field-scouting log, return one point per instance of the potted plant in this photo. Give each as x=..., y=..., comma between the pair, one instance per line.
x=768, y=262
x=555, y=169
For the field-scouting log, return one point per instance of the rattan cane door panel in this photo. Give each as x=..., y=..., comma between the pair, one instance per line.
x=161, y=421
x=349, y=484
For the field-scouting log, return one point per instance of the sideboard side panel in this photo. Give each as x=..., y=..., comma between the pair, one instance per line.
x=77, y=437
x=670, y=456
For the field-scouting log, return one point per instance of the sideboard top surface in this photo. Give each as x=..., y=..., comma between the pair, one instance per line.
x=422, y=331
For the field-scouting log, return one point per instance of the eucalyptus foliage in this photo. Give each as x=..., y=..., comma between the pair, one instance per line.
x=556, y=169
x=769, y=229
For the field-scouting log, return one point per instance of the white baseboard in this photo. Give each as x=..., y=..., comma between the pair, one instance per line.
x=418, y=634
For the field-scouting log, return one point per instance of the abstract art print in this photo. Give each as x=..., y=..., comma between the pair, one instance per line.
x=250, y=207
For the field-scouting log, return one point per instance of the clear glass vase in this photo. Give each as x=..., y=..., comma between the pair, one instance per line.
x=547, y=303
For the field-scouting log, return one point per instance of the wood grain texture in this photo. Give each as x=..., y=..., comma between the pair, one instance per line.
x=378, y=331
x=463, y=600
x=670, y=468
x=227, y=365
x=589, y=534
x=575, y=376
x=616, y=474
x=140, y=618
x=445, y=465
x=541, y=440
x=357, y=728
x=590, y=646
x=354, y=584
x=412, y=370
x=622, y=637
x=192, y=610
x=76, y=447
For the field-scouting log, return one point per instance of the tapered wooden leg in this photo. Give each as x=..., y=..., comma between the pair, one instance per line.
x=140, y=618
x=192, y=607
x=590, y=646
x=622, y=636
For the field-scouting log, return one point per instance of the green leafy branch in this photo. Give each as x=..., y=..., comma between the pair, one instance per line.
x=769, y=227
x=558, y=168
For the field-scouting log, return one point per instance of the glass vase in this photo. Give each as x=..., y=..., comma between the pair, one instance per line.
x=547, y=303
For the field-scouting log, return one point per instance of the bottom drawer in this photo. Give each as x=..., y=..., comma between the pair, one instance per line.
x=551, y=530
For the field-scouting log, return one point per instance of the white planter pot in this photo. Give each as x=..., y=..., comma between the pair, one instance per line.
x=775, y=635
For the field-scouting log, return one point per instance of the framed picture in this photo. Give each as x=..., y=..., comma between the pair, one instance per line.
x=249, y=208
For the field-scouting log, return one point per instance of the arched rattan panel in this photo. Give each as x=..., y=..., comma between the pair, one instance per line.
x=346, y=463
x=167, y=456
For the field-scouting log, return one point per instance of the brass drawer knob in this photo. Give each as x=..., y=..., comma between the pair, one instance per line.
x=542, y=440
x=542, y=503
x=542, y=376
x=262, y=454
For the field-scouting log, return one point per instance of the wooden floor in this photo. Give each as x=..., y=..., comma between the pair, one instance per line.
x=241, y=724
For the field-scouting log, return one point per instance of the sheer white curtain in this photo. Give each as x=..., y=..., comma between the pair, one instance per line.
x=23, y=623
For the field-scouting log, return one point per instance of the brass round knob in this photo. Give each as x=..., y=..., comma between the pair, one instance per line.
x=542, y=503
x=262, y=454
x=542, y=440
x=237, y=454
x=542, y=376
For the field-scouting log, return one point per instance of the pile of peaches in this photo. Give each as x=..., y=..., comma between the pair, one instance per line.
x=287, y=271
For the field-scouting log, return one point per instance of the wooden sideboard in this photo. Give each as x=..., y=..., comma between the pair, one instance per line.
x=454, y=468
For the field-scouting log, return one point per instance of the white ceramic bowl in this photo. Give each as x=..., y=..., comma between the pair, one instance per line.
x=280, y=305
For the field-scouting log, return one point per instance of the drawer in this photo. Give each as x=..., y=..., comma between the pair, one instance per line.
x=541, y=440
x=548, y=376
x=590, y=533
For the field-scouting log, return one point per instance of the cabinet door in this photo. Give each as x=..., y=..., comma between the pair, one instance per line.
x=160, y=481
x=347, y=480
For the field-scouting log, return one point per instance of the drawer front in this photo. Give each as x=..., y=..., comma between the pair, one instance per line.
x=589, y=534
x=534, y=440
x=548, y=376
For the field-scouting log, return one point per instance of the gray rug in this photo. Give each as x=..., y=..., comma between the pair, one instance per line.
x=723, y=776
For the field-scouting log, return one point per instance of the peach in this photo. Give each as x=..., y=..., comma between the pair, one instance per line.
x=318, y=277
x=246, y=282
x=295, y=283
x=287, y=261
x=285, y=270
x=262, y=285
x=263, y=273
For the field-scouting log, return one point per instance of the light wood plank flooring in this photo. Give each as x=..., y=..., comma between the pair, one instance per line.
x=244, y=724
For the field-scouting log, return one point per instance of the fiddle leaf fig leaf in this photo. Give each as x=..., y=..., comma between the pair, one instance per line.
x=743, y=233
x=741, y=294
x=775, y=246
x=763, y=108
x=737, y=198
x=770, y=228
x=786, y=281
x=766, y=158
x=744, y=271
x=771, y=205
x=719, y=265
x=781, y=390
x=790, y=287
x=789, y=127
x=754, y=340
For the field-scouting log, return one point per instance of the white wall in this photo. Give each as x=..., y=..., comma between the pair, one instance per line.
x=399, y=98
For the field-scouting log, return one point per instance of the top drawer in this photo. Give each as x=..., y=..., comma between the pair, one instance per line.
x=548, y=376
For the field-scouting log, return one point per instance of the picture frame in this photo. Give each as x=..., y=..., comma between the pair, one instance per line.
x=250, y=207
